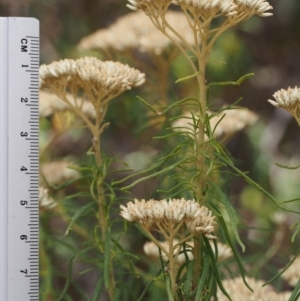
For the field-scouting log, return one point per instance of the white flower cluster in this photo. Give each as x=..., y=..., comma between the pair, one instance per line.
x=198, y=7
x=202, y=223
x=141, y=35
x=148, y=213
x=223, y=125
x=225, y=7
x=254, y=7
x=286, y=98
x=238, y=291
x=45, y=200
x=148, y=6
x=106, y=77
x=289, y=100
x=57, y=172
x=229, y=122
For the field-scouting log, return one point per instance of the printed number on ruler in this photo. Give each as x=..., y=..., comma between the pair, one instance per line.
x=20, y=43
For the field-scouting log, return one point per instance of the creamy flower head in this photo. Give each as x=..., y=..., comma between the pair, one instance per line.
x=45, y=200
x=173, y=212
x=203, y=222
x=49, y=103
x=292, y=274
x=254, y=7
x=141, y=34
x=149, y=6
x=289, y=100
x=238, y=291
x=106, y=79
x=224, y=124
x=207, y=8
x=57, y=172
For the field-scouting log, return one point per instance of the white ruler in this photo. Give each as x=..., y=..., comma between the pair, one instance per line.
x=19, y=159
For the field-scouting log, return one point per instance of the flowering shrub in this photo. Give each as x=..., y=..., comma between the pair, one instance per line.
x=194, y=231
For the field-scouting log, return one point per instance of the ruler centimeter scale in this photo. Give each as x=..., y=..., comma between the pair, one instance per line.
x=19, y=159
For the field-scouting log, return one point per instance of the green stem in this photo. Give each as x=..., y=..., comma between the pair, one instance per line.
x=46, y=272
x=99, y=102
x=172, y=264
x=100, y=193
x=200, y=149
x=103, y=217
x=102, y=208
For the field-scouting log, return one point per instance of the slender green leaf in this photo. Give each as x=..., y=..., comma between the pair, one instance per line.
x=215, y=268
x=67, y=297
x=296, y=292
x=285, y=268
x=86, y=271
x=287, y=167
x=216, y=252
x=117, y=295
x=141, y=298
x=173, y=105
x=98, y=289
x=215, y=127
x=173, y=134
x=128, y=290
x=201, y=283
x=232, y=106
x=189, y=279
x=168, y=168
x=226, y=160
x=162, y=263
x=231, y=83
x=107, y=259
x=70, y=269
x=289, y=201
x=65, y=184
x=60, y=242
x=187, y=77
x=212, y=290
x=173, y=188
x=182, y=269
x=98, y=238
x=72, y=196
x=231, y=214
x=160, y=162
x=151, y=168
x=131, y=266
x=78, y=213
x=296, y=232
x=235, y=253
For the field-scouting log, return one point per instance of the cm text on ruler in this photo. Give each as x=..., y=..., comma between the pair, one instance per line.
x=19, y=159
